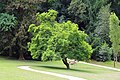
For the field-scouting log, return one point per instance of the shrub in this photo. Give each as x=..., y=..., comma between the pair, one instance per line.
x=7, y=22
x=104, y=54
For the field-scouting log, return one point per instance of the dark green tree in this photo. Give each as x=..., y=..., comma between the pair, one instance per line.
x=105, y=53
x=101, y=32
x=25, y=11
x=102, y=24
x=7, y=26
x=83, y=12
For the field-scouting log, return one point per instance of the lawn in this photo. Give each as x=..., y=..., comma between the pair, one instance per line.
x=9, y=71
x=108, y=63
x=80, y=70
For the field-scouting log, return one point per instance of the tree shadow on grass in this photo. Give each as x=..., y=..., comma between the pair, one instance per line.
x=61, y=68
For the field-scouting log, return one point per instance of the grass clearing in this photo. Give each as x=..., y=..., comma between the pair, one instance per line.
x=9, y=71
x=80, y=70
x=107, y=63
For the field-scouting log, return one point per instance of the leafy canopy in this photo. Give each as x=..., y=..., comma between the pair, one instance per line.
x=114, y=32
x=62, y=40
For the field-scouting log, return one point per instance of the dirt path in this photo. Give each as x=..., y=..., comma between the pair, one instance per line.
x=51, y=73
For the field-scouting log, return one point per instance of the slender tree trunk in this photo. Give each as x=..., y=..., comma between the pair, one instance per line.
x=115, y=60
x=66, y=63
x=10, y=52
x=21, y=55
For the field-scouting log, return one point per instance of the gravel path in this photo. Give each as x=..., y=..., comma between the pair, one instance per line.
x=51, y=73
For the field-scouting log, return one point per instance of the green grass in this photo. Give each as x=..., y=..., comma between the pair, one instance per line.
x=9, y=71
x=108, y=63
x=80, y=70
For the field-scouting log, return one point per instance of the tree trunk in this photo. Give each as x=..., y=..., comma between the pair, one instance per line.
x=115, y=60
x=10, y=52
x=66, y=63
x=21, y=55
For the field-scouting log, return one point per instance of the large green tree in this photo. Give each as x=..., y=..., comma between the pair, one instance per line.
x=114, y=35
x=52, y=39
x=25, y=11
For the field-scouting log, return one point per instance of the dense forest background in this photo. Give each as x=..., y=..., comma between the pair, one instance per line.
x=92, y=17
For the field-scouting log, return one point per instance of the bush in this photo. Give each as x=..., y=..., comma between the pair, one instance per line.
x=7, y=22
x=104, y=54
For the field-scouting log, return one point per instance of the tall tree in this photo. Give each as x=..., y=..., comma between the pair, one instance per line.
x=102, y=23
x=78, y=11
x=83, y=12
x=25, y=11
x=7, y=27
x=64, y=40
x=114, y=35
x=101, y=32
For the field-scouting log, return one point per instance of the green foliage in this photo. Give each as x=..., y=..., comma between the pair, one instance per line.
x=114, y=32
x=7, y=27
x=102, y=23
x=7, y=22
x=59, y=5
x=84, y=12
x=78, y=9
x=96, y=43
x=92, y=16
x=2, y=5
x=55, y=4
x=101, y=33
x=25, y=4
x=105, y=53
x=98, y=28
x=25, y=11
x=45, y=17
x=51, y=39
